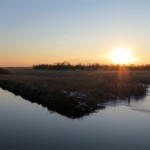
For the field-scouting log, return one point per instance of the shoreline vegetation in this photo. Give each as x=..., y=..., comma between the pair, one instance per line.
x=74, y=93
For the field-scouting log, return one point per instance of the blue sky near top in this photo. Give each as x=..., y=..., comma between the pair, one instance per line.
x=45, y=31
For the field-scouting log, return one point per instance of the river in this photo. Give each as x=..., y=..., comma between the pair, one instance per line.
x=26, y=125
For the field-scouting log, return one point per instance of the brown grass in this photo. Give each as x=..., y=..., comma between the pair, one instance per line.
x=112, y=82
x=99, y=86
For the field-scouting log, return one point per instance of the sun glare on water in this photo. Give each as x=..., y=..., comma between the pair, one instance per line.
x=121, y=56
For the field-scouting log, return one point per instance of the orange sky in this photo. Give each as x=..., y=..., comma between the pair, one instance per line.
x=33, y=32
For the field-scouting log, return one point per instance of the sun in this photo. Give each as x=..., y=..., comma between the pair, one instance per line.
x=121, y=56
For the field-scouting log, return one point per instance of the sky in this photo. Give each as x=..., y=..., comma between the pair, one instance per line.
x=87, y=31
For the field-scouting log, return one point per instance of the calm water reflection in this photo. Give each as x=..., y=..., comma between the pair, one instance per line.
x=25, y=125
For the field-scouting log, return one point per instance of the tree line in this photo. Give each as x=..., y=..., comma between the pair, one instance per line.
x=95, y=66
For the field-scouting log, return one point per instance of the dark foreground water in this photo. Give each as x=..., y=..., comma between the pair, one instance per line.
x=24, y=125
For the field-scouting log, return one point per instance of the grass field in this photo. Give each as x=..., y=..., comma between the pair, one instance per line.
x=74, y=93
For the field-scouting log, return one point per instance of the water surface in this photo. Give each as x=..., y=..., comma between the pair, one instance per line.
x=26, y=125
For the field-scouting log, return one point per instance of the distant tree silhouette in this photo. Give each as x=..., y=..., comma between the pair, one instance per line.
x=4, y=71
x=67, y=66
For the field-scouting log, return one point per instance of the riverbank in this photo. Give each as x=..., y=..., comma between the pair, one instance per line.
x=74, y=93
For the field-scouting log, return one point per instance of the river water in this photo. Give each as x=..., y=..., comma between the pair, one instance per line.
x=26, y=125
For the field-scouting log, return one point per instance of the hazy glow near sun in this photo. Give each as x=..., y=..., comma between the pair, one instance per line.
x=121, y=56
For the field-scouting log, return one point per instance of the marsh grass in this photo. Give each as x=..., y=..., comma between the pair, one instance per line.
x=45, y=87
